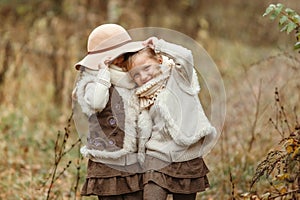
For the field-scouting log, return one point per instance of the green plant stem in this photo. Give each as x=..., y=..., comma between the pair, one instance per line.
x=289, y=17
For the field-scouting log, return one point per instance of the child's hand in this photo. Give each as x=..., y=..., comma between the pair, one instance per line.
x=151, y=42
x=104, y=63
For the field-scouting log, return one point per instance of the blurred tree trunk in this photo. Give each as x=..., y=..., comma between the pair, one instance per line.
x=58, y=77
x=6, y=59
x=57, y=7
x=114, y=11
x=181, y=15
x=148, y=8
x=190, y=21
x=58, y=69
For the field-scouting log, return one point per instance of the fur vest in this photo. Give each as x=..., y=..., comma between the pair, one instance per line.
x=110, y=134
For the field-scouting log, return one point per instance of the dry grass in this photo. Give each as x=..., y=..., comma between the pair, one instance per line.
x=250, y=80
x=29, y=129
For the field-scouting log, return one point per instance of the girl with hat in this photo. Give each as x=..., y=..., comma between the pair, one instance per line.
x=101, y=115
x=174, y=132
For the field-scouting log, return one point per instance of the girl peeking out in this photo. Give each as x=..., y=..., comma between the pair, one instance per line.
x=173, y=131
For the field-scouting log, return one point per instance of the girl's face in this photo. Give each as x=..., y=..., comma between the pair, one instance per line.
x=144, y=68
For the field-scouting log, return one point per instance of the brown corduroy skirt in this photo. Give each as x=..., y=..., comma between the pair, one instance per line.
x=182, y=177
x=105, y=180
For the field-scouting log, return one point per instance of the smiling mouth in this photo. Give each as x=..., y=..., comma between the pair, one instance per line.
x=147, y=80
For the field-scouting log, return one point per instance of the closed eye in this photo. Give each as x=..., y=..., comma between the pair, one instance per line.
x=147, y=67
x=136, y=75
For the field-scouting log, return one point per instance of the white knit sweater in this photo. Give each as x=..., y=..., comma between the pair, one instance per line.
x=176, y=129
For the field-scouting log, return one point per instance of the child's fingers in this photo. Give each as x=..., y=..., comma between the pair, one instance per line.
x=150, y=41
x=104, y=63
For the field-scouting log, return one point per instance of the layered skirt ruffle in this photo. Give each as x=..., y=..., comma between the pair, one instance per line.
x=105, y=180
x=183, y=177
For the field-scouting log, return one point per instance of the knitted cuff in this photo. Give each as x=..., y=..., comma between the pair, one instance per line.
x=103, y=82
x=103, y=77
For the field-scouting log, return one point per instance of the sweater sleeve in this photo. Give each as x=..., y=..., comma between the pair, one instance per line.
x=182, y=57
x=97, y=92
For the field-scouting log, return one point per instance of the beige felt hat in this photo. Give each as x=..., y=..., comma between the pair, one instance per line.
x=107, y=41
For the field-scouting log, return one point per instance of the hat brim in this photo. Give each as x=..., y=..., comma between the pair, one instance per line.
x=92, y=61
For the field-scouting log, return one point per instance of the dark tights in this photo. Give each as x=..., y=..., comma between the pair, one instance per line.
x=131, y=196
x=155, y=192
